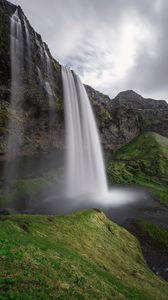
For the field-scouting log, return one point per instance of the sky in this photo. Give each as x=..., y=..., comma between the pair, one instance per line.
x=114, y=45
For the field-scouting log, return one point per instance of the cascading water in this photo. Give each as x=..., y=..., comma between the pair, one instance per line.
x=16, y=39
x=47, y=82
x=49, y=87
x=14, y=127
x=40, y=76
x=28, y=44
x=85, y=173
x=50, y=82
x=85, y=176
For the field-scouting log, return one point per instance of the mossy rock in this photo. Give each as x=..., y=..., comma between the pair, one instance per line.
x=105, y=115
x=144, y=162
x=59, y=104
x=3, y=131
x=156, y=234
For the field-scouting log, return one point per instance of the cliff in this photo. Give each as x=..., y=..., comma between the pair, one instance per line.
x=36, y=109
x=119, y=119
x=126, y=116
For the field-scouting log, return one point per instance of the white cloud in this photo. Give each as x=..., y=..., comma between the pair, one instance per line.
x=113, y=45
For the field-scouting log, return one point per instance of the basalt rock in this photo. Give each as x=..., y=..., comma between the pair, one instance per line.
x=35, y=119
x=126, y=116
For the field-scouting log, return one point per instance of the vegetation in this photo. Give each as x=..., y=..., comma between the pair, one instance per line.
x=79, y=256
x=104, y=114
x=3, y=131
x=157, y=234
x=22, y=190
x=59, y=104
x=143, y=161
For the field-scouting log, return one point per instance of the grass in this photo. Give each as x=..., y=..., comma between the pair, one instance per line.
x=79, y=256
x=24, y=189
x=144, y=162
x=157, y=234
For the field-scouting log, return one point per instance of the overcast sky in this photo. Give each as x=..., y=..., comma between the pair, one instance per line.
x=114, y=45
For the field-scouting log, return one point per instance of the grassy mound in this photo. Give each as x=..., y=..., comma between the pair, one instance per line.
x=79, y=256
x=144, y=161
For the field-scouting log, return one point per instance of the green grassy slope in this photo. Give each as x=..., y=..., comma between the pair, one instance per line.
x=79, y=256
x=144, y=161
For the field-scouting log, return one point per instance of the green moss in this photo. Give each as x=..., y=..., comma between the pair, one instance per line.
x=118, y=173
x=78, y=256
x=22, y=190
x=3, y=131
x=59, y=104
x=143, y=161
x=29, y=186
x=155, y=233
x=104, y=114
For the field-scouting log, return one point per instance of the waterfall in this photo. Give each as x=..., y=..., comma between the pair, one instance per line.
x=15, y=121
x=85, y=172
x=28, y=44
x=47, y=82
x=40, y=76
x=16, y=40
x=49, y=87
x=50, y=82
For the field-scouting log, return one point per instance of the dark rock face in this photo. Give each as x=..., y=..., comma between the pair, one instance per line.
x=129, y=115
x=35, y=119
x=119, y=120
x=136, y=101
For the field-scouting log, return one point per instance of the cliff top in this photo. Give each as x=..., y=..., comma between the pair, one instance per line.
x=137, y=101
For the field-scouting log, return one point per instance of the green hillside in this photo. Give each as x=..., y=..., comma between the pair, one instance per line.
x=79, y=256
x=144, y=161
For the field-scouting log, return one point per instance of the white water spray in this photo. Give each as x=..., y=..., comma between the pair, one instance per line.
x=40, y=76
x=16, y=40
x=50, y=82
x=85, y=173
x=28, y=44
x=14, y=127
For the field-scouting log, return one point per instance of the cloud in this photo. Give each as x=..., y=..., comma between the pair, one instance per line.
x=112, y=44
